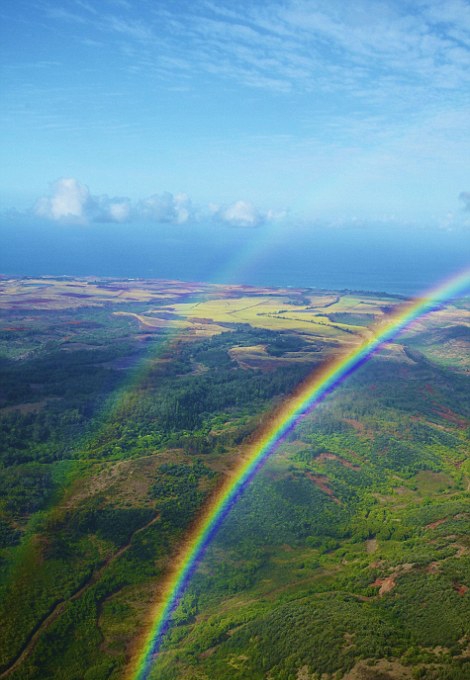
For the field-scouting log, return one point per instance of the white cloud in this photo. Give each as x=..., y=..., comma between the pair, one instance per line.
x=241, y=214
x=70, y=201
x=328, y=45
x=244, y=214
x=120, y=211
x=166, y=208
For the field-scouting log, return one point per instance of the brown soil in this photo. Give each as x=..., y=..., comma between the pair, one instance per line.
x=385, y=584
x=332, y=456
x=437, y=523
x=459, y=588
x=356, y=424
x=321, y=482
x=379, y=670
x=452, y=417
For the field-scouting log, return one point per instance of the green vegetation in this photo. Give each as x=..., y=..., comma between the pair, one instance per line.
x=349, y=550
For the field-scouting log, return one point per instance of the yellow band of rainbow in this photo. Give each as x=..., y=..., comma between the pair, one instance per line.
x=310, y=393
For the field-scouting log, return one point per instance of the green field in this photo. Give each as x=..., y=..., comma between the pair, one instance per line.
x=122, y=406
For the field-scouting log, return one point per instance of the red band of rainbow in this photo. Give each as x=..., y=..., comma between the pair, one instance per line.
x=310, y=393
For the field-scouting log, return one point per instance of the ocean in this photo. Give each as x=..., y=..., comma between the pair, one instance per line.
x=404, y=261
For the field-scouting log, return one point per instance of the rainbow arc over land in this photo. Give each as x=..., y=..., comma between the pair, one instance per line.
x=311, y=392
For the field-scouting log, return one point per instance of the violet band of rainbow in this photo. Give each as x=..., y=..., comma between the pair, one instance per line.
x=313, y=390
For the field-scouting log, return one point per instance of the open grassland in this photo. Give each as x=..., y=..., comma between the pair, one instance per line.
x=279, y=314
x=122, y=406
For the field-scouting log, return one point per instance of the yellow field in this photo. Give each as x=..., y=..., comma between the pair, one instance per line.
x=276, y=313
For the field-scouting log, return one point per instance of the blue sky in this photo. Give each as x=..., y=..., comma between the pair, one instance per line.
x=237, y=113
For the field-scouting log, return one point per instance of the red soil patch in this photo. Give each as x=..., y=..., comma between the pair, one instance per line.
x=207, y=653
x=452, y=417
x=332, y=456
x=385, y=584
x=321, y=482
x=460, y=589
x=437, y=523
x=388, y=583
x=355, y=424
x=376, y=565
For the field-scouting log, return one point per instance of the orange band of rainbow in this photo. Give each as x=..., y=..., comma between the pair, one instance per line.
x=310, y=393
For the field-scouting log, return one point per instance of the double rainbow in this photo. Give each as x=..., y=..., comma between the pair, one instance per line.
x=308, y=395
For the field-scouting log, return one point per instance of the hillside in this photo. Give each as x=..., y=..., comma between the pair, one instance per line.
x=124, y=403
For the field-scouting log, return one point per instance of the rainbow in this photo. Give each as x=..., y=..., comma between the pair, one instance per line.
x=308, y=395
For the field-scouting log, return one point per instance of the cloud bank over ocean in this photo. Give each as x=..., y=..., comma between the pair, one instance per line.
x=71, y=202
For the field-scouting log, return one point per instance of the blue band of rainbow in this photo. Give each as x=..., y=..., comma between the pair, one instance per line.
x=309, y=394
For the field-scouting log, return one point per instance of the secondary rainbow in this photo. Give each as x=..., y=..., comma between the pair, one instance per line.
x=310, y=393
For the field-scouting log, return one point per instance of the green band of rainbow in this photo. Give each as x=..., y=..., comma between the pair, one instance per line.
x=311, y=392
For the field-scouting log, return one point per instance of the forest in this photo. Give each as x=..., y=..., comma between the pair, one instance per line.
x=348, y=555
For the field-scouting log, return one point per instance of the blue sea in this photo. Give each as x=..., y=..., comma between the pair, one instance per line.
x=405, y=261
